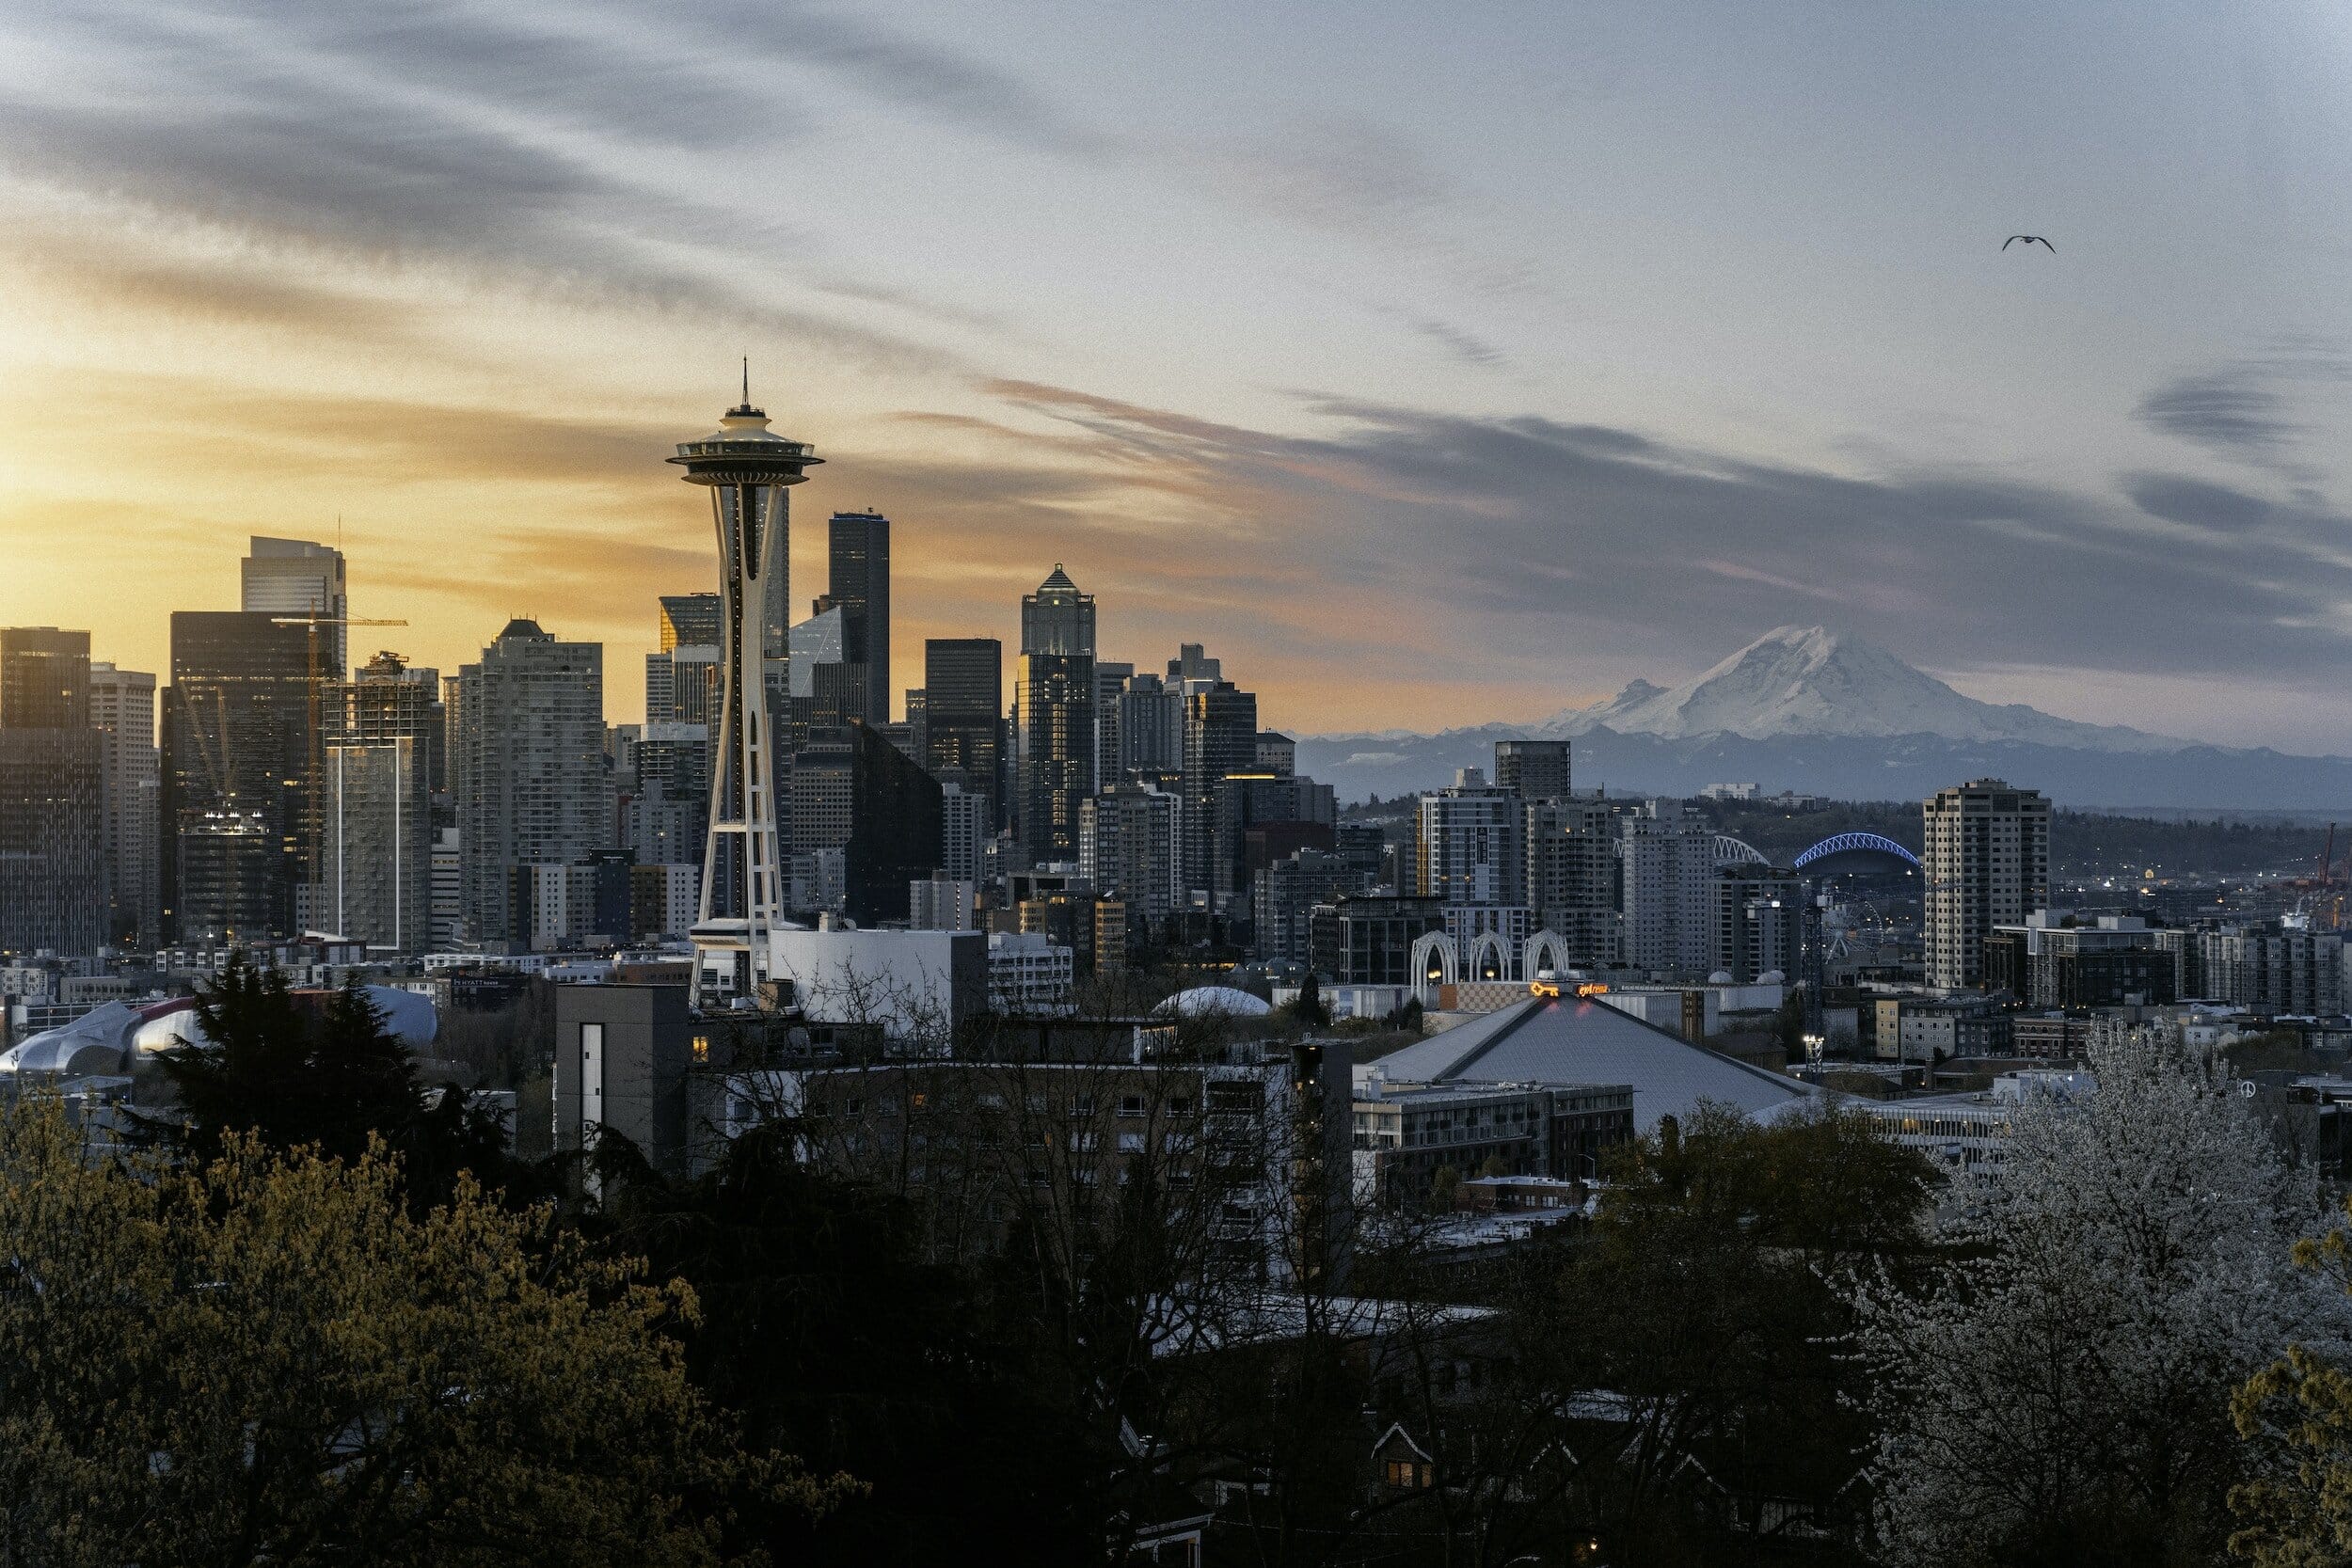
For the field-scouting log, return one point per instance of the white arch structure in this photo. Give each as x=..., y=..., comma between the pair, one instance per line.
x=1434, y=951
x=1544, y=950
x=1489, y=950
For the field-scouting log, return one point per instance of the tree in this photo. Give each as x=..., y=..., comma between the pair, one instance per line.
x=1308, y=1008
x=269, y=1357
x=2058, y=1390
x=270, y=1073
x=1692, y=1332
x=2295, y=1415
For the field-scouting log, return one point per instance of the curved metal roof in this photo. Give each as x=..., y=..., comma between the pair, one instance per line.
x=1840, y=844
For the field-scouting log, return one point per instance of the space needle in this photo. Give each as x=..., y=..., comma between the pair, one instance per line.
x=747, y=467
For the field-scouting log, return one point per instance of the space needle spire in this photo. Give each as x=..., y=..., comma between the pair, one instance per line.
x=747, y=467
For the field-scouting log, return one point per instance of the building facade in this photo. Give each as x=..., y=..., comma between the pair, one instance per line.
x=1987, y=863
x=55, y=891
x=122, y=707
x=963, y=718
x=1532, y=770
x=1055, y=697
x=528, y=773
x=297, y=577
x=240, y=771
x=857, y=583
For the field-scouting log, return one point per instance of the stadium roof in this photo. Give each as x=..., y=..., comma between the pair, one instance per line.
x=1563, y=1041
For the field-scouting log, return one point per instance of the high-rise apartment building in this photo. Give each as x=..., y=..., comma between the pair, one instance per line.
x=529, y=770
x=1287, y=892
x=963, y=717
x=1760, y=922
x=1668, y=890
x=964, y=831
x=858, y=584
x=1573, y=870
x=1532, y=770
x=1055, y=697
x=295, y=577
x=1987, y=864
x=122, y=709
x=54, y=889
x=1128, y=836
x=240, y=768
x=1470, y=844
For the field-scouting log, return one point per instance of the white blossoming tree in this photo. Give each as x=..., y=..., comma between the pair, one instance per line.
x=2056, y=1388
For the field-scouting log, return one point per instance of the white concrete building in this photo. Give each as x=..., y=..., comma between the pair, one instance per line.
x=1028, y=974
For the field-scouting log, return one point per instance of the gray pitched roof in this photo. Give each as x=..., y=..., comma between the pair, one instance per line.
x=1571, y=1040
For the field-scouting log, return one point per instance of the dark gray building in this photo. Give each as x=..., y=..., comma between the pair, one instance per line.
x=1532, y=770
x=858, y=584
x=54, y=886
x=963, y=717
x=622, y=1055
x=241, y=765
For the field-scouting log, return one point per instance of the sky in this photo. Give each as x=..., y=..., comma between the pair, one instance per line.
x=1431, y=366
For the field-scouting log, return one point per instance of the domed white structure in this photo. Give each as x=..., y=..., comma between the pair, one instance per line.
x=1214, y=1002
x=408, y=1018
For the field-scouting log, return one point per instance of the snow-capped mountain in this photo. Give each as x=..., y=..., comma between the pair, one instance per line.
x=1812, y=681
x=1823, y=713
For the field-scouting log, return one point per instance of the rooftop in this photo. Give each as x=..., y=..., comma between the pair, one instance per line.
x=1561, y=1041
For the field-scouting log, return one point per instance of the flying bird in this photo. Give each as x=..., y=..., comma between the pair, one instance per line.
x=2029, y=239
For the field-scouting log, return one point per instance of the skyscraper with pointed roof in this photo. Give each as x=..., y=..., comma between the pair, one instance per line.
x=1054, y=698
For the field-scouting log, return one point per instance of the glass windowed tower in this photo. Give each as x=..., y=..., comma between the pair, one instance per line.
x=747, y=468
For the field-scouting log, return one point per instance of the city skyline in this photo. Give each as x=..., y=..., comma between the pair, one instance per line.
x=1604, y=343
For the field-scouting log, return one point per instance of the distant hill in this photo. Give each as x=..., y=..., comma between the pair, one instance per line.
x=1807, y=709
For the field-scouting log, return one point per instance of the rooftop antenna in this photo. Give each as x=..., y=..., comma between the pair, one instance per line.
x=747, y=381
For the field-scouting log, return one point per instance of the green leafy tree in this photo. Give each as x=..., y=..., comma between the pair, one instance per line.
x=265, y=1358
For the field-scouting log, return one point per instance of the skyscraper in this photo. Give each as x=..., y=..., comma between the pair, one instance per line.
x=53, y=807
x=964, y=727
x=294, y=577
x=1532, y=770
x=528, y=770
x=749, y=470
x=1470, y=851
x=689, y=619
x=1110, y=686
x=1128, y=846
x=1054, y=698
x=1988, y=863
x=857, y=580
x=1151, y=727
x=240, y=762
x=1667, y=889
x=1220, y=741
x=383, y=728
x=123, y=710
x=1573, y=867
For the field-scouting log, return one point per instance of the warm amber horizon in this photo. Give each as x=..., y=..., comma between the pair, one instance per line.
x=1424, y=392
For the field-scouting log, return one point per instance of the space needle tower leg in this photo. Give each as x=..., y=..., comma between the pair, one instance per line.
x=747, y=468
